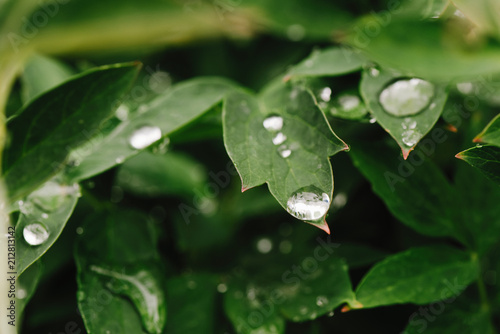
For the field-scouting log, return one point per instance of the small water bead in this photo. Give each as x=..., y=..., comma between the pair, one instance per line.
x=284, y=151
x=145, y=136
x=295, y=32
x=321, y=301
x=374, y=72
x=326, y=94
x=21, y=294
x=373, y=120
x=406, y=97
x=122, y=112
x=349, y=102
x=162, y=146
x=331, y=314
x=303, y=310
x=119, y=160
x=465, y=87
x=340, y=200
x=409, y=124
x=35, y=233
x=45, y=216
x=410, y=137
x=279, y=138
x=308, y=203
x=79, y=230
x=273, y=123
x=264, y=245
x=222, y=288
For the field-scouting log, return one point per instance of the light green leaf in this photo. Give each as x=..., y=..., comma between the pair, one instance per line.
x=332, y=61
x=406, y=108
x=45, y=132
x=43, y=215
x=42, y=74
x=193, y=300
x=485, y=158
x=419, y=276
x=426, y=9
x=291, y=155
x=491, y=133
x=153, y=175
x=417, y=194
x=484, y=13
x=427, y=49
x=178, y=107
x=117, y=256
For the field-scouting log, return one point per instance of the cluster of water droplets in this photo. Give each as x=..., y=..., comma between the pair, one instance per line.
x=274, y=125
x=410, y=135
x=309, y=204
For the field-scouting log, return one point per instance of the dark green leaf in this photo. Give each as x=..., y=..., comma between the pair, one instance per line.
x=291, y=155
x=117, y=257
x=332, y=61
x=43, y=215
x=45, y=132
x=379, y=89
x=359, y=255
x=27, y=284
x=193, y=304
x=485, y=158
x=415, y=190
x=418, y=275
x=153, y=175
x=178, y=107
x=490, y=134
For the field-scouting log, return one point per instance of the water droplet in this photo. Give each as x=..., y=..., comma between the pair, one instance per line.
x=285, y=247
x=409, y=124
x=279, y=138
x=326, y=94
x=21, y=294
x=273, y=123
x=284, y=151
x=191, y=285
x=331, y=314
x=295, y=32
x=264, y=245
x=321, y=301
x=339, y=201
x=122, y=112
x=406, y=97
x=303, y=310
x=374, y=72
x=35, y=233
x=145, y=136
x=313, y=315
x=349, y=102
x=308, y=203
x=119, y=160
x=79, y=230
x=251, y=294
x=45, y=216
x=162, y=146
x=373, y=120
x=222, y=288
x=465, y=87
x=410, y=137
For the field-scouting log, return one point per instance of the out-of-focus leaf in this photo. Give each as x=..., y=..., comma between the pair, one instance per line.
x=26, y=285
x=283, y=139
x=43, y=215
x=418, y=275
x=417, y=194
x=44, y=133
x=485, y=158
x=359, y=255
x=484, y=13
x=383, y=89
x=172, y=173
x=192, y=298
x=491, y=133
x=332, y=61
x=431, y=50
x=425, y=9
x=178, y=107
x=117, y=257
x=42, y=74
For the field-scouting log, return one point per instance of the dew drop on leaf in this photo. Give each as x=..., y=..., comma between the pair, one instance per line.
x=321, y=301
x=284, y=151
x=331, y=314
x=411, y=137
x=409, y=124
x=279, y=138
x=349, y=102
x=35, y=233
x=406, y=97
x=145, y=136
x=273, y=123
x=374, y=72
x=222, y=288
x=122, y=112
x=325, y=94
x=309, y=204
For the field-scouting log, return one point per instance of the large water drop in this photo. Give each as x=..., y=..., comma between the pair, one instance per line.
x=406, y=97
x=145, y=136
x=35, y=233
x=308, y=203
x=273, y=123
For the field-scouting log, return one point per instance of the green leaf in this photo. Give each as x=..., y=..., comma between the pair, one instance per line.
x=44, y=133
x=43, y=215
x=491, y=133
x=331, y=61
x=42, y=74
x=427, y=9
x=484, y=13
x=418, y=275
x=293, y=158
x=153, y=175
x=379, y=89
x=485, y=158
x=27, y=285
x=193, y=298
x=429, y=49
x=178, y=107
x=117, y=257
x=415, y=190
x=359, y=255
x=451, y=316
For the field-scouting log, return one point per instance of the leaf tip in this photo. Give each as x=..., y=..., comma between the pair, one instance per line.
x=459, y=156
x=287, y=78
x=406, y=152
x=451, y=128
x=323, y=226
x=478, y=139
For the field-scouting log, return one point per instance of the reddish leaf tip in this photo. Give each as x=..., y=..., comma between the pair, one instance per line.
x=323, y=226
x=459, y=156
x=345, y=308
x=451, y=128
x=477, y=139
x=287, y=78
